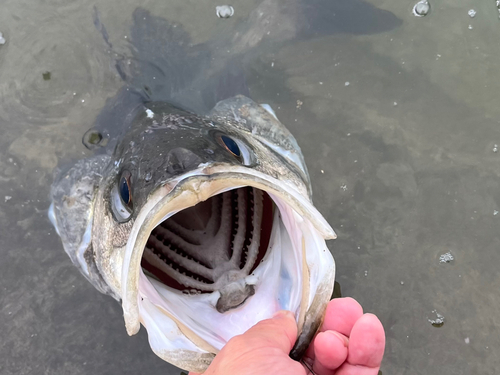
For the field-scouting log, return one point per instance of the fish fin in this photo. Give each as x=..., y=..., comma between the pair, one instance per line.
x=71, y=213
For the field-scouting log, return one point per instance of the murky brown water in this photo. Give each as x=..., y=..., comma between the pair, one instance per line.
x=397, y=117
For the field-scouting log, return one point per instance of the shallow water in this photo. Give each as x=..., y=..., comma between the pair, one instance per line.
x=397, y=117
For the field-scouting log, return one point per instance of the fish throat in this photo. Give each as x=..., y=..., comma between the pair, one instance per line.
x=213, y=246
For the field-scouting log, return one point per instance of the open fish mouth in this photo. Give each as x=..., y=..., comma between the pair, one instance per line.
x=213, y=246
x=214, y=253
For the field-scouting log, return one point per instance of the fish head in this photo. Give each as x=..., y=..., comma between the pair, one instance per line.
x=203, y=226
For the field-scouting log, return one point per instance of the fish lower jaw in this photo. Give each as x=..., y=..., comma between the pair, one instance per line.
x=213, y=270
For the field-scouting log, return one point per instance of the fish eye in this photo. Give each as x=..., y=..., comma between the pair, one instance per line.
x=235, y=147
x=121, y=197
x=124, y=189
x=231, y=145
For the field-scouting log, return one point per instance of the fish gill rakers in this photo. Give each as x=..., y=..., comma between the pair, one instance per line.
x=210, y=258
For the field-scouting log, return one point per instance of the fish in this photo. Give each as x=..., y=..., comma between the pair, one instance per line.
x=195, y=211
x=201, y=225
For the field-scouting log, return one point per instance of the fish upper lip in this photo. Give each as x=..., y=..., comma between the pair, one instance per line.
x=186, y=191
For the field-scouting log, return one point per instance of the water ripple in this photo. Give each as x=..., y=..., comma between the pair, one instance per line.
x=55, y=66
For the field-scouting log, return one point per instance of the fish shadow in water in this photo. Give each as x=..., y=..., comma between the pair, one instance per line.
x=165, y=65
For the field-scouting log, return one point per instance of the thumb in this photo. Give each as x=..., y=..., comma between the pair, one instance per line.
x=273, y=337
x=279, y=332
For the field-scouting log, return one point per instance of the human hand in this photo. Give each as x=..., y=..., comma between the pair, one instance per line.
x=349, y=343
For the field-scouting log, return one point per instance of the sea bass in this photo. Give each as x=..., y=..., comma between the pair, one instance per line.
x=201, y=226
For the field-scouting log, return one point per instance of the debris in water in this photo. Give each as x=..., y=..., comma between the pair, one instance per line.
x=471, y=13
x=495, y=148
x=46, y=76
x=322, y=171
x=421, y=8
x=402, y=283
x=467, y=340
x=224, y=11
x=446, y=258
x=347, y=83
x=7, y=198
x=343, y=187
x=470, y=27
x=439, y=321
x=395, y=104
x=299, y=104
x=149, y=113
x=495, y=212
x=2, y=39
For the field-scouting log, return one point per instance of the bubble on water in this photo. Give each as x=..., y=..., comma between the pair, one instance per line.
x=421, y=8
x=495, y=212
x=495, y=148
x=2, y=39
x=347, y=84
x=467, y=340
x=7, y=198
x=470, y=27
x=439, y=321
x=92, y=139
x=471, y=13
x=224, y=11
x=446, y=258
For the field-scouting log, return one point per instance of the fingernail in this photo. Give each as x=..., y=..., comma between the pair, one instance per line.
x=341, y=337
